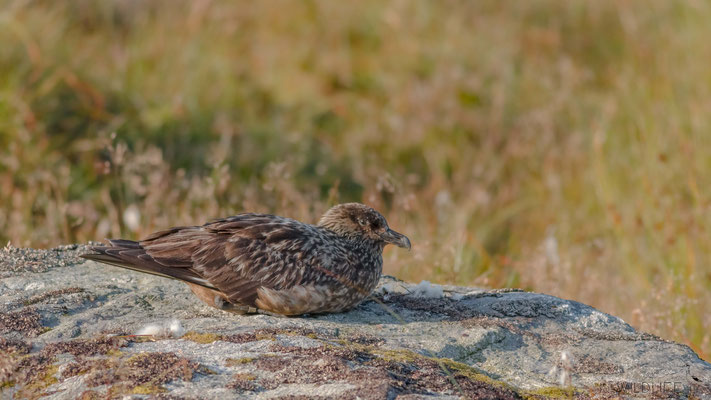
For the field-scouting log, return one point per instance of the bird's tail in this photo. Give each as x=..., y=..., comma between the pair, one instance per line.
x=131, y=255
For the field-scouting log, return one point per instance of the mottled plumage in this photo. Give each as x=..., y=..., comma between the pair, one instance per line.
x=264, y=263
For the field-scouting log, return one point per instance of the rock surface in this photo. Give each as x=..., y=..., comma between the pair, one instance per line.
x=68, y=330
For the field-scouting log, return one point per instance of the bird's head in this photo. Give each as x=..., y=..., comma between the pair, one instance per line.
x=357, y=220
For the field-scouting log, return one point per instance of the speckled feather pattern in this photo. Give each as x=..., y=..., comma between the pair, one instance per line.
x=267, y=262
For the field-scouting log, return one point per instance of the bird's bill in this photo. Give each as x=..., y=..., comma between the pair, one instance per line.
x=398, y=239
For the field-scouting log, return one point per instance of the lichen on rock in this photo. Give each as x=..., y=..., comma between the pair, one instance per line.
x=68, y=329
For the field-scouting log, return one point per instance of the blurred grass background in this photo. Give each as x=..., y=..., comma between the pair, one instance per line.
x=558, y=146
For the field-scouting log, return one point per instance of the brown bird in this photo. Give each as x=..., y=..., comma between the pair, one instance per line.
x=252, y=263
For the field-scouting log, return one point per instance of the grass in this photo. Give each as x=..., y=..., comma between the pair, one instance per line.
x=556, y=146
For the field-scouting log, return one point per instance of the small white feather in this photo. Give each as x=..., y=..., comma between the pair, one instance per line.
x=171, y=328
x=428, y=290
x=151, y=329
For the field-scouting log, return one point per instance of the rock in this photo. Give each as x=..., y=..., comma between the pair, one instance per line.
x=67, y=330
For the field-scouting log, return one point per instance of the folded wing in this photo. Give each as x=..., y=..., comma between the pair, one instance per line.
x=235, y=256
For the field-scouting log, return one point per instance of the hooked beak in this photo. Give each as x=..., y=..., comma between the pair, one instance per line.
x=398, y=239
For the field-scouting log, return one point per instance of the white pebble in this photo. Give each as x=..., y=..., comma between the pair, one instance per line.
x=34, y=286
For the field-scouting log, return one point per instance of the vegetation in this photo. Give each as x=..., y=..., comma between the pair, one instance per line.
x=558, y=146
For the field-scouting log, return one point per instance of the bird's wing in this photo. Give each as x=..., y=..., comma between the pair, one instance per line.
x=130, y=255
x=241, y=254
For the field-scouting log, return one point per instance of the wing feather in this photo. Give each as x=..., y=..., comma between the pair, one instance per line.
x=252, y=255
x=137, y=260
x=236, y=256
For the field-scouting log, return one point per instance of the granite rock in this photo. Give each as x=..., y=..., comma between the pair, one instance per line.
x=71, y=328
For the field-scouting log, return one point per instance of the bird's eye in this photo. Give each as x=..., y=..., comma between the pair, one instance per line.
x=362, y=222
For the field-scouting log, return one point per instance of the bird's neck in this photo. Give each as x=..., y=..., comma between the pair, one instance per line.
x=361, y=242
x=367, y=246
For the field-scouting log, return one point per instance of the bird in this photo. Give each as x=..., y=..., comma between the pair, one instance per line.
x=262, y=263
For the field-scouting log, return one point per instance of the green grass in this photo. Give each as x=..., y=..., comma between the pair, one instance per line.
x=557, y=146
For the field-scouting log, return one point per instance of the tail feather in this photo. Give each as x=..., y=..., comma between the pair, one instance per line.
x=130, y=255
x=128, y=244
